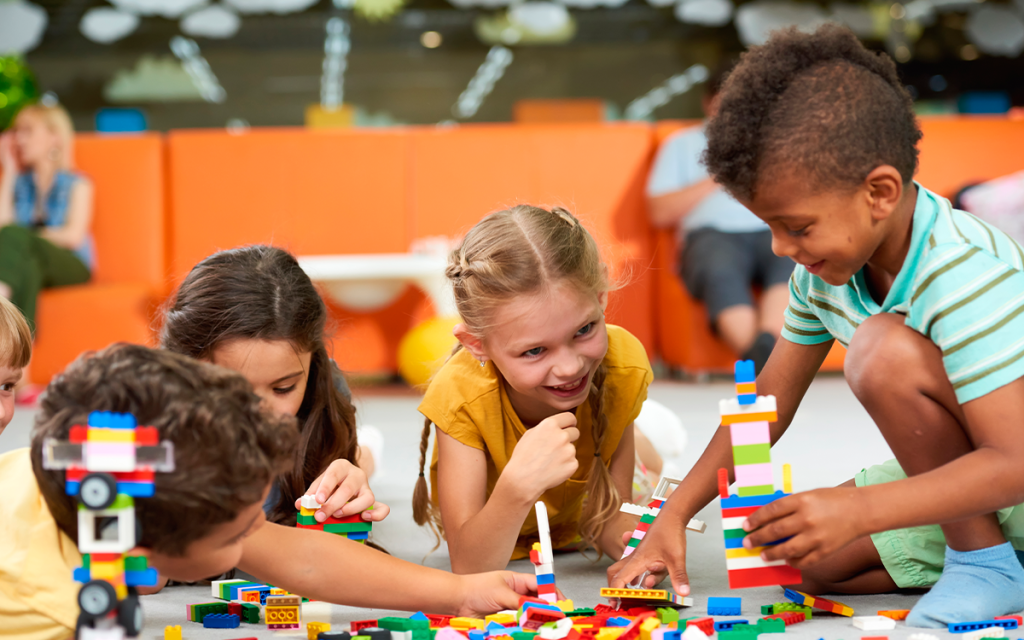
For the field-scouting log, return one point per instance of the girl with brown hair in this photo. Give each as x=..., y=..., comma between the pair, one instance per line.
x=254, y=310
x=538, y=400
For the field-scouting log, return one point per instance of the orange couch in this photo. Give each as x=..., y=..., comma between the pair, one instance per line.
x=955, y=151
x=128, y=226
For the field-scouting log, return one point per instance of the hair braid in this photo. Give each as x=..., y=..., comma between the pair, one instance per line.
x=602, y=496
x=424, y=513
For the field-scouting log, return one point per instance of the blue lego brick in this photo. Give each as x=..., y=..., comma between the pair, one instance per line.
x=724, y=606
x=734, y=543
x=746, y=398
x=672, y=634
x=538, y=605
x=419, y=615
x=546, y=578
x=137, y=489
x=494, y=626
x=793, y=595
x=727, y=625
x=743, y=371
x=71, y=487
x=220, y=621
x=110, y=420
x=477, y=634
x=357, y=535
x=146, y=578
x=734, y=501
x=617, y=622
x=964, y=627
x=83, y=575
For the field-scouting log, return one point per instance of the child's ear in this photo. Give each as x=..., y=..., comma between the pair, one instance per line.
x=884, y=191
x=470, y=342
x=602, y=299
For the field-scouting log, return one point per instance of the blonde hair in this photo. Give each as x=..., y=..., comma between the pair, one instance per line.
x=521, y=251
x=15, y=337
x=57, y=120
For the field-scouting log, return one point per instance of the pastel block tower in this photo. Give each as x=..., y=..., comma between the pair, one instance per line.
x=352, y=527
x=747, y=417
x=543, y=557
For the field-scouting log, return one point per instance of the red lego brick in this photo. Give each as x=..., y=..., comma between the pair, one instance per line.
x=874, y=638
x=438, y=620
x=524, y=599
x=78, y=434
x=788, y=617
x=356, y=625
x=737, y=512
x=723, y=483
x=632, y=632
x=639, y=610
x=235, y=608
x=601, y=608
x=546, y=588
x=764, y=577
x=707, y=625
x=148, y=436
x=534, y=556
x=1019, y=619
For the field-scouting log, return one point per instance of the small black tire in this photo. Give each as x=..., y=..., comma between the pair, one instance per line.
x=97, y=598
x=129, y=616
x=98, y=491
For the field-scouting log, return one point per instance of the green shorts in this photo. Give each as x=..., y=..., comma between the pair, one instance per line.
x=914, y=557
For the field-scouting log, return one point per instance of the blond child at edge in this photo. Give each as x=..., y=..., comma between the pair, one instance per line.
x=15, y=352
x=538, y=400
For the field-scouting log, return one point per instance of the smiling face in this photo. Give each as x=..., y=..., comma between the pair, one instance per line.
x=213, y=554
x=277, y=371
x=33, y=140
x=833, y=233
x=9, y=377
x=547, y=346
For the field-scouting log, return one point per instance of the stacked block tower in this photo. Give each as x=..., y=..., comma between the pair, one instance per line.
x=352, y=527
x=747, y=417
x=543, y=557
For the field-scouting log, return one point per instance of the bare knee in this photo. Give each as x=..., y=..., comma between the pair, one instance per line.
x=884, y=350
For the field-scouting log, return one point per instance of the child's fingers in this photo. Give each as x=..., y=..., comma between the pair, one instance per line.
x=626, y=535
x=773, y=531
x=311, y=491
x=339, y=473
x=360, y=499
x=378, y=513
x=573, y=433
x=770, y=512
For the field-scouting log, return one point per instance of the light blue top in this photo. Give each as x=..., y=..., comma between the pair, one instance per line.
x=55, y=209
x=678, y=166
x=961, y=286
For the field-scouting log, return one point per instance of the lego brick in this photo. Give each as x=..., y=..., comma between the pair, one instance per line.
x=764, y=577
x=989, y=632
x=356, y=527
x=250, y=613
x=751, y=454
x=313, y=629
x=693, y=633
x=818, y=603
x=707, y=625
x=749, y=433
x=787, y=618
x=667, y=615
x=743, y=371
x=334, y=635
x=762, y=409
x=739, y=632
x=403, y=624
x=468, y=623
x=755, y=490
x=726, y=625
x=874, y=623
x=724, y=606
x=172, y=632
x=785, y=607
x=220, y=621
x=438, y=620
x=740, y=502
x=579, y=613
x=963, y=627
x=787, y=478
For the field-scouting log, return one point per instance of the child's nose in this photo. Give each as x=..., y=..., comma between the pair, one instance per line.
x=782, y=246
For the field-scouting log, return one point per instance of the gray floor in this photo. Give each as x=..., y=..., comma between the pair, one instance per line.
x=831, y=439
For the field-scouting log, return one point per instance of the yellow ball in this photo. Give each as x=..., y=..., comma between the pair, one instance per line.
x=425, y=348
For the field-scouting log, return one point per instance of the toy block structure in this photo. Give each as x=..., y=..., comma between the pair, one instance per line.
x=724, y=606
x=649, y=597
x=823, y=604
x=352, y=527
x=283, y=612
x=747, y=416
x=648, y=513
x=108, y=463
x=543, y=556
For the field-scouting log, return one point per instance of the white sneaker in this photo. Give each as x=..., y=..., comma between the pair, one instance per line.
x=663, y=428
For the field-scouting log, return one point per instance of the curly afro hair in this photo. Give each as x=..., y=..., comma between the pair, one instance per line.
x=817, y=103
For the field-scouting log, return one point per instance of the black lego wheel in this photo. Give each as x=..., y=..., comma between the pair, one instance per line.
x=98, y=491
x=97, y=598
x=129, y=615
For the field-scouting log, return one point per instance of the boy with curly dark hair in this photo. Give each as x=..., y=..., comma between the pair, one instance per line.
x=817, y=136
x=206, y=516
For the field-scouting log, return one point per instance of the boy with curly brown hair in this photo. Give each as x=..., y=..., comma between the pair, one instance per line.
x=817, y=136
x=206, y=516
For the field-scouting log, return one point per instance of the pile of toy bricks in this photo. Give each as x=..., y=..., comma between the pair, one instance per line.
x=245, y=602
x=352, y=527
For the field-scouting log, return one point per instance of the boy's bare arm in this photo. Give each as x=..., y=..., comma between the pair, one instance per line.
x=787, y=375
x=330, y=568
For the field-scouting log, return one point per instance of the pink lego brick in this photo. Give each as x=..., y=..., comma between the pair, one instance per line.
x=749, y=433
x=754, y=475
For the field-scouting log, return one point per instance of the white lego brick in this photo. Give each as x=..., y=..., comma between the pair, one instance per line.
x=109, y=456
x=664, y=484
x=113, y=633
x=694, y=633
x=316, y=611
x=732, y=406
x=544, y=530
x=309, y=502
x=991, y=632
x=696, y=525
x=874, y=623
x=754, y=562
x=544, y=568
x=120, y=540
x=401, y=635
x=557, y=631
x=215, y=586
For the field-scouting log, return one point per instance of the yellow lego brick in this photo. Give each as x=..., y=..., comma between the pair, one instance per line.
x=314, y=628
x=744, y=553
x=282, y=615
x=501, y=618
x=172, y=633
x=536, y=546
x=278, y=591
x=307, y=512
x=647, y=626
x=565, y=605
x=609, y=633
x=467, y=623
x=121, y=590
x=108, y=571
x=110, y=435
x=636, y=594
x=787, y=479
x=581, y=627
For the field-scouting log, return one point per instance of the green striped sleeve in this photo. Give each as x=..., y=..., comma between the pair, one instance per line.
x=970, y=303
x=802, y=325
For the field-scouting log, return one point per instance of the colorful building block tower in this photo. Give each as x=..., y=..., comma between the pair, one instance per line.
x=352, y=527
x=543, y=557
x=747, y=417
x=107, y=465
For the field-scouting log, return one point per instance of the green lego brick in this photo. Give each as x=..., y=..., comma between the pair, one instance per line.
x=667, y=615
x=771, y=626
x=86, y=561
x=135, y=563
x=580, y=613
x=225, y=589
x=301, y=519
x=349, y=527
x=786, y=607
x=633, y=542
x=360, y=637
x=402, y=624
x=647, y=518
x=421, y=634
x=739, y=632
x=767, y=609
x=729, y=534
x=433, y=633
x=523, y=635
x=759, y=490
x=199, y=611
x=250, y=613
x=752, y=454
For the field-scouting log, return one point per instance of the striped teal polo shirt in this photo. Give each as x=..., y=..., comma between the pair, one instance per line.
x=961, y=285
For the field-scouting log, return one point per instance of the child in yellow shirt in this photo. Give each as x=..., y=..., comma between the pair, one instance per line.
x=15, y=352
x=539, y=399
x=206, y=516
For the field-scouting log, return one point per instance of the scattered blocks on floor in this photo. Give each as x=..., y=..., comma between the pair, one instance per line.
x=726, y=625
x=724, y=606
x=874, y=623
x=819, y=603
